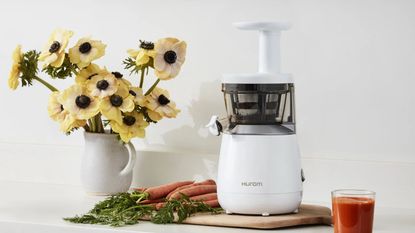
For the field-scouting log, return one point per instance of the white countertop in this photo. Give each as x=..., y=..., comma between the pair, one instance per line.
x=31, y=207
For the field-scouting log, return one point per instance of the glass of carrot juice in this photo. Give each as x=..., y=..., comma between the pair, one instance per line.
x=353, y=210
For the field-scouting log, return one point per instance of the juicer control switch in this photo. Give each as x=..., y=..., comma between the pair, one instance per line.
x=302, y=175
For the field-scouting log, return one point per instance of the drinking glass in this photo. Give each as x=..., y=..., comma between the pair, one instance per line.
x=353, y=210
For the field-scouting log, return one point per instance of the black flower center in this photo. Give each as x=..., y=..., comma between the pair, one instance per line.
x=163, y=100
x=102, y=84
x=62, y=108
x=92, y=75
x=116, y=100
x=129, y=120
x=54, y=47
x=117, y=74
x=133, y=93
x=85, y=47
x=170, y=56
x=147, y=45
x=83, y=101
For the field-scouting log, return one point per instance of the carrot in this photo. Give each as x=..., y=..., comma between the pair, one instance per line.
x=212, y=203
x=160, y=205
x=144, y=202
x=139, y=189
x=206, y=182
x=205, y=197
x=209, y=181
x=180, y=188
x=151, y=205
x=162, y=190
x=194, y=191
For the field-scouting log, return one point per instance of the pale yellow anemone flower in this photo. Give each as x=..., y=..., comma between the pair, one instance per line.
x=79, y=103
x=58, y=113
x=143, y=55
x=131, y=126
x=15, y=71
x=154, y=116
x=137, y=93
x=55, y=108
x=87, y=73
x=102, y=85
x=113, y=106
x=140, y=99
x=170, y=54
x=54, y=51
x=159, y=101
x=85, y=51
x=122, y=82
x=70, y=123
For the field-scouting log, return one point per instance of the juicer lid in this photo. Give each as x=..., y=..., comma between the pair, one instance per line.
x=257, y=78
x=269, y=59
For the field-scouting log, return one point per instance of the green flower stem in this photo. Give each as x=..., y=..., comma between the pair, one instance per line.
x=98, y=123
x=142, y=78
x=46, y=84
x=96, y=126
x=152, y=87
x=86, y=128
x=92, y=125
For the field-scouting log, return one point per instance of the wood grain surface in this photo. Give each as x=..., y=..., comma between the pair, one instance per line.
x=307, y=215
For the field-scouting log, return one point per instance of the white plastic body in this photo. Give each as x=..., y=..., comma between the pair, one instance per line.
x=259, y=174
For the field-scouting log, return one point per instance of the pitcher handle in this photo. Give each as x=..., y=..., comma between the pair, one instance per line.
x=131, y=159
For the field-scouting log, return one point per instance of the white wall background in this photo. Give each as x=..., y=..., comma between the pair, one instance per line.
x=353, y=62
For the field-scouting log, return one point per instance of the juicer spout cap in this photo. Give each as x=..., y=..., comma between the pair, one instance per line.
x=269, y=43
x=214, y=126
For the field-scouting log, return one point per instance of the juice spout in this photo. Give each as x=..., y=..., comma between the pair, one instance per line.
x=214, y=126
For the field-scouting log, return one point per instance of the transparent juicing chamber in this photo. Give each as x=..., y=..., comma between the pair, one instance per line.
x=261, y=104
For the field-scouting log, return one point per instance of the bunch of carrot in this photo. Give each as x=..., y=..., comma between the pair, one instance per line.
x=157, y=197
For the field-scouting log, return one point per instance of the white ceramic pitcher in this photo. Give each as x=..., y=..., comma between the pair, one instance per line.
x=107, y=164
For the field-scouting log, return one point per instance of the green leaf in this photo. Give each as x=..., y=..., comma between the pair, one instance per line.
x=29, y=67
x=117, y=210
x=71, y=131
x=129, y=64
x=184, y=207
x=67, y=69
x=122, y=209
x=106, y=122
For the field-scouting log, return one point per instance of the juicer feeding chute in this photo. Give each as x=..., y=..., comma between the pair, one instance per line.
x=269, y=60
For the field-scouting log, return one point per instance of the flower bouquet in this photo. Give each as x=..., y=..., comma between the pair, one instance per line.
x=102, y=101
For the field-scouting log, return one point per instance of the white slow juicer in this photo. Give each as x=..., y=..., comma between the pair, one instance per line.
x=259, y=166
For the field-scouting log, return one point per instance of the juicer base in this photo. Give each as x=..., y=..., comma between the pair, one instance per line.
x=260, y=204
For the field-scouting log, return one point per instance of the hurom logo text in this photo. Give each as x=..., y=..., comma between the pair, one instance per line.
x=251, y=184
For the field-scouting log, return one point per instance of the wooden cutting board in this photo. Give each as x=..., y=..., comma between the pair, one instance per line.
x=307, y=215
